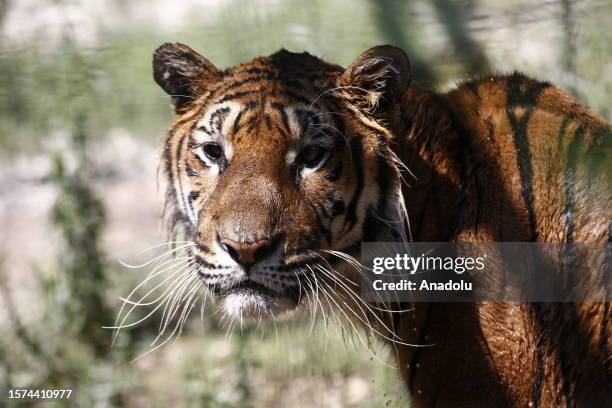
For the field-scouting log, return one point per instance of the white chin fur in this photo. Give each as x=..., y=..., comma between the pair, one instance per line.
x=255, y=306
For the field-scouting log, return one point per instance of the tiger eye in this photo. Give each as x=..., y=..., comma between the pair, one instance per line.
x=213, y=151
x=312, y=155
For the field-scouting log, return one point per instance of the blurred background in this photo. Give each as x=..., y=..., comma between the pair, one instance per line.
x=81, y=122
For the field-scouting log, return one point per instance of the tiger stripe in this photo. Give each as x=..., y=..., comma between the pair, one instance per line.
x=309, y=157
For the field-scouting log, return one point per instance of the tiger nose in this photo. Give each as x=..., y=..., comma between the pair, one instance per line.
x=247, y=253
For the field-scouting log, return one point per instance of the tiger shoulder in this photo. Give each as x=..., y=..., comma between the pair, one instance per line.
x=514, y=153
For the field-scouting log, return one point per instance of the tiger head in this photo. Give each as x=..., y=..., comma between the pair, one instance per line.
x=279, y=168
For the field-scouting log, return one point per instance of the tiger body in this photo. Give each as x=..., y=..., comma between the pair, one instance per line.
x=276, y=165
x=525, y=135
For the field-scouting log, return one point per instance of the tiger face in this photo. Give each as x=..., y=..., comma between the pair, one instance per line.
x=279, y=168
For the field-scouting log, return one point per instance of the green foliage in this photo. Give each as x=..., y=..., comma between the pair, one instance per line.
x=79, y=214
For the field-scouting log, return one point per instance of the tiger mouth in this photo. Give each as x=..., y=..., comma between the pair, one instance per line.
x=249, y=287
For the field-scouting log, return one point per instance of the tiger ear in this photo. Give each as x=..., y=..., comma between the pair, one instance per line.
x=379, y=76
x=182, y=73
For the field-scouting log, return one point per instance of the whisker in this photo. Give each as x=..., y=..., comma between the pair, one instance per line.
x=123, y=326
x=368, y=307
x=189, y=307
x=120, y=317
x=360, y=268
x=355, y=330
x=156, y=347
x=173, y=301
x=156, y=258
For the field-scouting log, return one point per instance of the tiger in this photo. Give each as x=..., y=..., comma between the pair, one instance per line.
x=278, y=168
